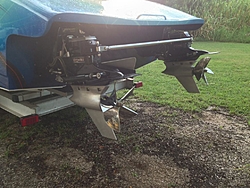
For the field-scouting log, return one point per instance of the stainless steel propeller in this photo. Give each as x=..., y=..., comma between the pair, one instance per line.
x=201, y=68
x=112, y=115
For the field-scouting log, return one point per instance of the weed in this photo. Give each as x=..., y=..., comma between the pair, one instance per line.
x=135, y=174
x=171, y=185
x=170, y=113
x=137, y=149
x=65, y=166
x=5, y=134
x=171, y=128
x=245, y=169
x=7, y=153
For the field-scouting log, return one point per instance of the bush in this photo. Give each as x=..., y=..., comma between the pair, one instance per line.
x=225, y=20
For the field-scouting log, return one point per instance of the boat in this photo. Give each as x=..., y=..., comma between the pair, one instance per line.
x=92, y=48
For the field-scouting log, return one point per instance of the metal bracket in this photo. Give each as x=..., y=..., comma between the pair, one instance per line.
x=40, y=102
x=141, y=44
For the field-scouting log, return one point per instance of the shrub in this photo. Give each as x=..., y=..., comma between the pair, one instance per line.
x=225, y=20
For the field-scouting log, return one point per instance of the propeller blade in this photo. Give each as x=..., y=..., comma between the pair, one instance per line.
x=201, y=68
x=202, y=64
x=205, y=78
x=112, y=112
x=211, y=53
x=112, y=118
x=209, y=71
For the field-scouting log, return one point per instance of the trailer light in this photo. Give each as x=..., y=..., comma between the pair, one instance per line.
x=29, y=120
x=138, y=84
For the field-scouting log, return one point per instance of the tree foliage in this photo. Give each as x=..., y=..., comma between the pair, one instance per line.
x=225, y=20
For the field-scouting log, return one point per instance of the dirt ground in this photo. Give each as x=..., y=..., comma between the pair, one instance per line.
x=160, y=147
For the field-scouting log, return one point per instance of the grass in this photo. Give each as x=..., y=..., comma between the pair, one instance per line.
x=229, y=87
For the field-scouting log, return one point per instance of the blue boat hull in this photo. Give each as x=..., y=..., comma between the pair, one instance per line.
x=30, y=31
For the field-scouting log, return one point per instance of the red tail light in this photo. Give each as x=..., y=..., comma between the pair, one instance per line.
x=138, y=84
x=29, y=120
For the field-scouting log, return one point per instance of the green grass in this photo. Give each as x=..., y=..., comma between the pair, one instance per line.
x=229, y=87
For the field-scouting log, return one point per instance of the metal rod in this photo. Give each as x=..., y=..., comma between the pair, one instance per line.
x=141, y=44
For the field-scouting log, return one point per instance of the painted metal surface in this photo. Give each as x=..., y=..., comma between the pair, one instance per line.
x=126, y=21
x=37, y=105
x=33, y=17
